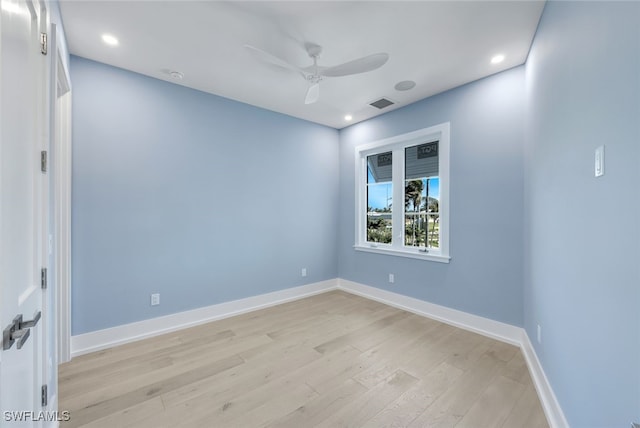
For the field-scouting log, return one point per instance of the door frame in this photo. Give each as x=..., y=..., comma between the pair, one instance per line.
x=0, y=152
x=61, y=106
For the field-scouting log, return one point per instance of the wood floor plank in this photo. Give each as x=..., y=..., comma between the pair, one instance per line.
x=129, y=417
x=333, y=359
x=363, y=407
x=221, y=409
x=231, y=383
x=275, y=407
x=356, y=337
x=464, y=360
x=334, y=327
x=146, y=392
x=503, y=351
x=494, y=405
x=272, y=319
x=517, y=369
x=322, y=407
x=346, y=363
x=82, y=398
x=123, y=369
x=454, y=403
x=527, y=413
x=411, y=404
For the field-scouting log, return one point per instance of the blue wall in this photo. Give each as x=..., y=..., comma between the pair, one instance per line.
x=582, y=277
x=484, y=276
x=193, y=196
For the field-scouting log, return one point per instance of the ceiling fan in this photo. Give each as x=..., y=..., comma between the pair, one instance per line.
x=315, y=73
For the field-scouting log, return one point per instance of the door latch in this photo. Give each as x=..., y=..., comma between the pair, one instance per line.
x=18, y=331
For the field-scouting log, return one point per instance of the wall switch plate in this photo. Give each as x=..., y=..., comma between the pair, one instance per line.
x=392, y=278
x=303, y=272
x=155, y=299
x=599, y=164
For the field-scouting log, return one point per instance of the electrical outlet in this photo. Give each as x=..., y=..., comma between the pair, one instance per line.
x=392, y=278
x=303, y=272
x=539, y=334
x=155, y=299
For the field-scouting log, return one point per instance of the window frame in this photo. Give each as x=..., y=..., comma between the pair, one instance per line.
x=396, y=145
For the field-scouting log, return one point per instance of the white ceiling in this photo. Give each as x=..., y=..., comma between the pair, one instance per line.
x=437, y=44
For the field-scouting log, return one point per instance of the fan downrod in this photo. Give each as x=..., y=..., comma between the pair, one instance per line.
x=313, y=50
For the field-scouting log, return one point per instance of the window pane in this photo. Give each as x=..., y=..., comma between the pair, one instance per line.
x=414, y=229
x=379, y=228
x=379, y=197
x=379, y=167
x=379, y=202
x=422, y=196
x=414, y=195
x=433, y=231
x=433, y=189
x=421, y=160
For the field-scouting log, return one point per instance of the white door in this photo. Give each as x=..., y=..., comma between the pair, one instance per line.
x=23, y=211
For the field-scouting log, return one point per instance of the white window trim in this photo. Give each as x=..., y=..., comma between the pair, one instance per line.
x=439, y=132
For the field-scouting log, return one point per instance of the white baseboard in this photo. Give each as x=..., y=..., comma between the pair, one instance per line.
x=552, y=409
x=513, y=335
x=102, y=339
x=477, y=324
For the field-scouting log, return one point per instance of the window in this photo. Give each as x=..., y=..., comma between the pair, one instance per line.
x=411, y=168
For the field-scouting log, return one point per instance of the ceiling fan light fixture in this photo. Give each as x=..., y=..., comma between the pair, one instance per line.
x=313, y=93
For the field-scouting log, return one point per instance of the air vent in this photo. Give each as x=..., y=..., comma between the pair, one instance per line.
x=381, y=103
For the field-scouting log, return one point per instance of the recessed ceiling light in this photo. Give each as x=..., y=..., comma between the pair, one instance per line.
x=348, y=117
x=110, y=40
x=405, y=85
x=176, y=75
x=497, y=59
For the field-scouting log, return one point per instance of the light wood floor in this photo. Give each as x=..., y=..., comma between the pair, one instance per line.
x=331, y=360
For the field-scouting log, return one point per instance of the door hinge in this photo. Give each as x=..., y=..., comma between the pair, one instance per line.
x=43, y=43
x=43, y=161
x=43, y=278
x=44, y=399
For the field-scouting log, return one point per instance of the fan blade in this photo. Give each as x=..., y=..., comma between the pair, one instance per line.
x=272, y=59
x=356, y=66
x=313, y=93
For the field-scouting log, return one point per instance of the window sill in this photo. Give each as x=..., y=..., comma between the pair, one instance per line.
x=410, y=254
